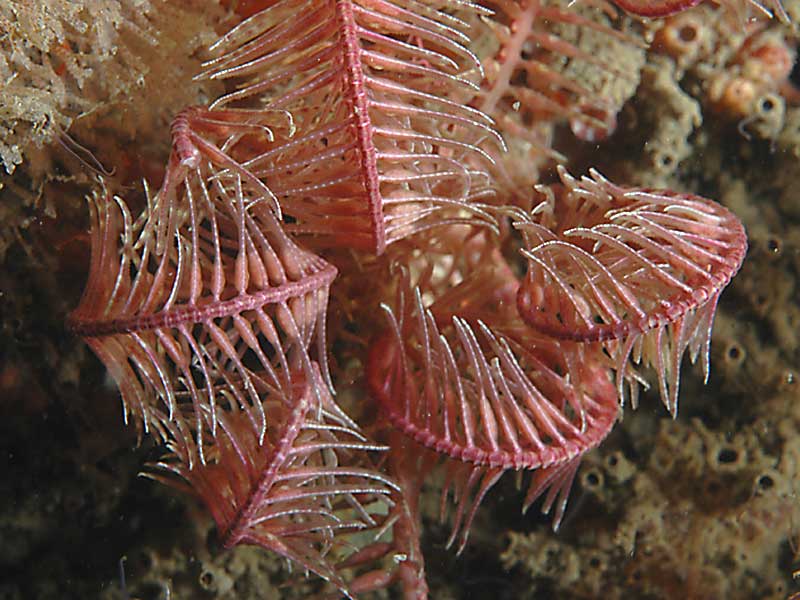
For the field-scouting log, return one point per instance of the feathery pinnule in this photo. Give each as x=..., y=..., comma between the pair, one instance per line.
x=549, y=63
x=638, y=271
x=202, y=299
x=302, y=491
x=488, y=393
x=403, y=552
x=385, y=144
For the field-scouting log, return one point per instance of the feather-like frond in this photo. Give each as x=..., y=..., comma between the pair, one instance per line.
x=549, y=62
x=486, y=393
x=403, y=550
x=638, y=270
x=480, y=397
x=385, y=144
x=302, y=491
x=204, y=298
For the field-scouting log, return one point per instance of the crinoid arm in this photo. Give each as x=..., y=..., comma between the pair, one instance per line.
x=486, y=396
x=402, y=549
x=203, y=299
x=384, y=142
x=303, y=491
x=639, y=271
x=537, y=55
x=742, y=10
x=655, y=8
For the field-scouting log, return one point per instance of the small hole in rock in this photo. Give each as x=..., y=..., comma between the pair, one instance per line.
x=688, y=33
x=794, y=76
x=727, y=456
x=206, y=579
x=765, y=482
x=734, y=352
x=592, y=479
x=760, y=300
x=774, y=245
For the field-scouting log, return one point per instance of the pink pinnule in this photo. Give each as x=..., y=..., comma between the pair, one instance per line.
x=638, y=270
x=743, y=10
x=203, y=300
x=304, y=491
x=535, y=54
x=487, y=395
x=385, y=144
